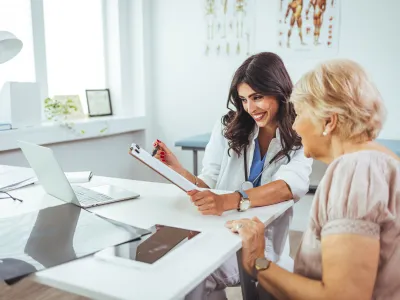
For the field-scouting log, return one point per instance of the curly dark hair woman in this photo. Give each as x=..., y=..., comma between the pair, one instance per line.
x=266, y=74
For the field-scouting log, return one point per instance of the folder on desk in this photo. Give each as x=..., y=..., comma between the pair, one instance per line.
x=160, y=243
x=150, y=248
x=157, y=166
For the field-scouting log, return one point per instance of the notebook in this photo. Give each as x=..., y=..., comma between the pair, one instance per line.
x=161, y=241
x=157, y=166
x=14, y=179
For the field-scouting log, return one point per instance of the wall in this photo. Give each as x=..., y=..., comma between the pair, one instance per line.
x=190, y=90
x=107, y=156
x=186, y=91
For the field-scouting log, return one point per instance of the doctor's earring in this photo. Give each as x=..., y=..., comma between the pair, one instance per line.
x=324, y=133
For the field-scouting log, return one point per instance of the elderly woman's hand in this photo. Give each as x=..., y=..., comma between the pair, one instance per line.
x=252, y=234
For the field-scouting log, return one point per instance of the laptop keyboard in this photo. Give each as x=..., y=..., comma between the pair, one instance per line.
x=89, y=197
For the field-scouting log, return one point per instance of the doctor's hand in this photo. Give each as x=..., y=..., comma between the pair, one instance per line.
x=253, y=241
x=167, y=157
x=207, y=202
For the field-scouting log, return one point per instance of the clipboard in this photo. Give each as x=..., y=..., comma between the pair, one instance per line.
x=160, y=168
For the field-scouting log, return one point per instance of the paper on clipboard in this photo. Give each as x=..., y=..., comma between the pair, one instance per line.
x=153, y=163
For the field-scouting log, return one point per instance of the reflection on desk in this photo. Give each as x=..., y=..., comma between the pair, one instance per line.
x=53, y=236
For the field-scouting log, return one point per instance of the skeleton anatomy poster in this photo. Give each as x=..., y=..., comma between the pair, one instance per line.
x=229, y=26
x=309, y=26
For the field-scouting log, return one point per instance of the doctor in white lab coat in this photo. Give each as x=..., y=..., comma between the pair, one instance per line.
x=255, y=152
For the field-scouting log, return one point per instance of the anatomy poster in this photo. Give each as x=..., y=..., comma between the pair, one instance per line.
x=229, y=27
x=309, y=26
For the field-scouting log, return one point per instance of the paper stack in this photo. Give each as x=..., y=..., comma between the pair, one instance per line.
x=15, y=179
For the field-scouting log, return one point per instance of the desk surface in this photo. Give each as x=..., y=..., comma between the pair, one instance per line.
x=171, y=277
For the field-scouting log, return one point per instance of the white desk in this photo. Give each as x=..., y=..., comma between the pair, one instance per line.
x=171, y=277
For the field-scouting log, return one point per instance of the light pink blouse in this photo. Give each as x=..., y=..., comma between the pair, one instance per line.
x=359, y=194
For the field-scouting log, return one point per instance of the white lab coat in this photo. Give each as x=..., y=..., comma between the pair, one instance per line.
x=226, y=172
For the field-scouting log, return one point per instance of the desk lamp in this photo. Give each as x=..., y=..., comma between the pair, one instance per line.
x=10, y=46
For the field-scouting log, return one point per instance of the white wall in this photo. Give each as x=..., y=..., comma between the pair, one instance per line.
x=190, y=90
x=186, y=91
x=107, y=156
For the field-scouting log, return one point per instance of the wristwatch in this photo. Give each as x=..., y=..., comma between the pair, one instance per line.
x=261, y=264
x=244, y=203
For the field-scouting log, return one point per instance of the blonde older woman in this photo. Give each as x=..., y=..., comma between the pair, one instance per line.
x=351, y=249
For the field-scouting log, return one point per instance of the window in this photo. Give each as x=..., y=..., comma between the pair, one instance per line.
x=74, y=47
x=15, y=17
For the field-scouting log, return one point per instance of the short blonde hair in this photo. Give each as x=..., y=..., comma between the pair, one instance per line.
x=342, y=87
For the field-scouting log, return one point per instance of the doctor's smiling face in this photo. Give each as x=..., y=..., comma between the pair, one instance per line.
x=263, y=109
x=259, y=96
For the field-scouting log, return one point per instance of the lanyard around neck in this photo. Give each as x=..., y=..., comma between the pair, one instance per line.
x=246, y=175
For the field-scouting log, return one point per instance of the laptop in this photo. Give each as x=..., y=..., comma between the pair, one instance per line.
x=56, y=184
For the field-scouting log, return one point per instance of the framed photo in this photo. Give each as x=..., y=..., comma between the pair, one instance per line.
x=99, y=103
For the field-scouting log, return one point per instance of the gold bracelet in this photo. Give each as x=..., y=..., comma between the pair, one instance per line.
x=196, y=183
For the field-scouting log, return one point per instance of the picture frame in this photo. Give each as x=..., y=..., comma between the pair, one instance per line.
x=99, y=102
